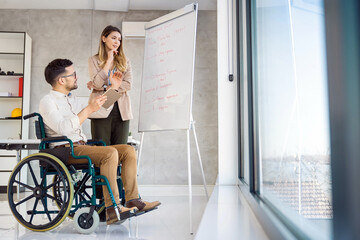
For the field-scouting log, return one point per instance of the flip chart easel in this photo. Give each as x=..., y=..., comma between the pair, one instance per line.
x=167, y=81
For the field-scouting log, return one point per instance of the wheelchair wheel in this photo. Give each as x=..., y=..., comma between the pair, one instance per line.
x=84, y=225
x=37, y=211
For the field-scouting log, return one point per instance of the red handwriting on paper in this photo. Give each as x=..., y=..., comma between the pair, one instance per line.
x=150, y=90
x=172, y=96
x=162, y=108
x=179, y=30
x=152, y=31
x=165, y=85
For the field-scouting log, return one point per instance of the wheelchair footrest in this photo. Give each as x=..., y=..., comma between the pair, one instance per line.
x=133, y=213
x=127, y=214
x=143, y=212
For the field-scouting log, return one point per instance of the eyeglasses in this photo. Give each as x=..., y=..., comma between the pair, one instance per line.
x=73, y=74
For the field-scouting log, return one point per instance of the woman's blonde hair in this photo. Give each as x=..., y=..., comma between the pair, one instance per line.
x=120, y=58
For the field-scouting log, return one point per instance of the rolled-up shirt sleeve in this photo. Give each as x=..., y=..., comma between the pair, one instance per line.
x=55, y=120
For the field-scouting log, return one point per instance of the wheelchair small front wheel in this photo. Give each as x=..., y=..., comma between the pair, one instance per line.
x=37, y=210
x=85, y=224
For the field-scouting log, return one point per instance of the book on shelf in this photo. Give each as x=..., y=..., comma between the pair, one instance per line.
x=21, y=81
x=5, y=94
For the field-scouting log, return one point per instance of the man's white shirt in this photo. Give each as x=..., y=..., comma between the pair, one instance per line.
x=59, y=112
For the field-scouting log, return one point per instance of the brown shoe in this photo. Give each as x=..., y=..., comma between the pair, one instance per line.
x=124, y=212
x=143, y=206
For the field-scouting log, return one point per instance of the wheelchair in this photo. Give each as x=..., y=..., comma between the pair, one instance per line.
x=58, y=190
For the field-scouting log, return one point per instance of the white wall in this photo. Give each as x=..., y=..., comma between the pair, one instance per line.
x=227, y=103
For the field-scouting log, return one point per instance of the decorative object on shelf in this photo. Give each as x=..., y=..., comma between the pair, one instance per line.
x=5, y=94
x=11, y=73
x=16, y=113
x=2, y=72
x=21, y=82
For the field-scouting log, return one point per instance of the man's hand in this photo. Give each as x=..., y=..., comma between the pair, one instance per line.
x=96, y=103
x=93, y=106
x=116, y=79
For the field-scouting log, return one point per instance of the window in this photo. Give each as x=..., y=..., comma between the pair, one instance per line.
x=291, y=118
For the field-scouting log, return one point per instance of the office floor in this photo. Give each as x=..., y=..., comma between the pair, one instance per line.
x=226, y=215
x=170, y=221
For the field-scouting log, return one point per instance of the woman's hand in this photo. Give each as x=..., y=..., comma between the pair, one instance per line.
x=90, y=85
x=116, y=79
x=110, y=54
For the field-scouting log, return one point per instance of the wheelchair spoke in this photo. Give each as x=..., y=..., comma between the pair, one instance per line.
x=45, y=208
x=45, y=172
x=32, y=174
x=24, y=200
x=51, y=197
x=53, y=184
x=33, y=211
x=23, y=184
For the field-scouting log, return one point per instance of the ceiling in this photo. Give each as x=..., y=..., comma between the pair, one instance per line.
x=108, y=5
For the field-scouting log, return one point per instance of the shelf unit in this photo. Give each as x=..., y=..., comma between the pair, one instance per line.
x=15, y=56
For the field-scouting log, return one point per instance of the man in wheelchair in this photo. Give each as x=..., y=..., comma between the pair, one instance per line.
x=63, y=115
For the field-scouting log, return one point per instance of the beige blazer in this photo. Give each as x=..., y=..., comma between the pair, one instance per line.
x=100, y=78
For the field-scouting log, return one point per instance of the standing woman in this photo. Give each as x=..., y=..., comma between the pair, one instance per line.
x=111, y=59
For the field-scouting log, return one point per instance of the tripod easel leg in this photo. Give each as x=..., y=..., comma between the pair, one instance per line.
x=140, y=151
x=189, y=178
x=201, y=166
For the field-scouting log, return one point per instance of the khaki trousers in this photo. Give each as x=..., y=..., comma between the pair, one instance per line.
x=108, y=158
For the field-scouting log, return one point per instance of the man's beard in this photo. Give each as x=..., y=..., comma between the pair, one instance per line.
x=75, y=86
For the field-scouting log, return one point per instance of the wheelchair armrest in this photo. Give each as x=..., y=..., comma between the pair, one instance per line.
x=47, y=140
x=55, y=139
x=95, y=142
